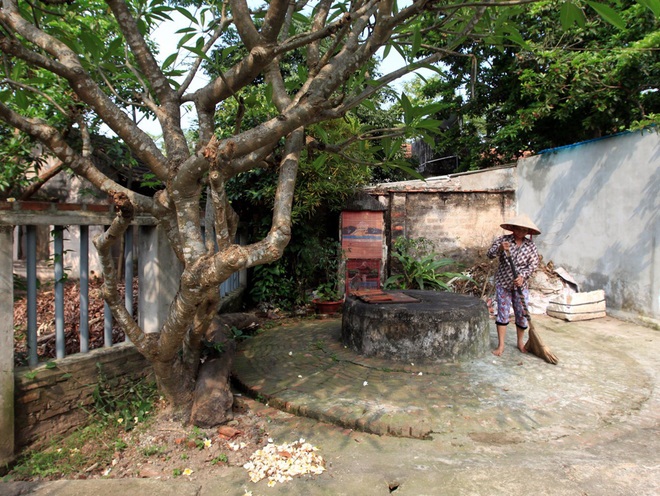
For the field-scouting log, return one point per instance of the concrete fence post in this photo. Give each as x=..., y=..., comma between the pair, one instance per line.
x=6, y=346
x=159, y=272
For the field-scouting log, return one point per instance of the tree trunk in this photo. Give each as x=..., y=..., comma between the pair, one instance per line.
x=202, y=395
x=213, y=399
x=177, y=383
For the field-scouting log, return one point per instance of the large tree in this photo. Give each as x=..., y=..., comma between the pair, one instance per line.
x=90, y=65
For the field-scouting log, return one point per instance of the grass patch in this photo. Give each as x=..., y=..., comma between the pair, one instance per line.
x=117, y=408
x=80, y=452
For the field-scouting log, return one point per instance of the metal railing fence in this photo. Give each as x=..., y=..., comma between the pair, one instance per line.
x=77, y=221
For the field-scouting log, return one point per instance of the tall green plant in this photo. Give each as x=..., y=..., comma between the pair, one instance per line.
x=286, y=283
x=272, y=284
x=421, y=268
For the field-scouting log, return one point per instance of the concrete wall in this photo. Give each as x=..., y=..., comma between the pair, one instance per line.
x=598, y=205
x=460, y=225
x=6, y=348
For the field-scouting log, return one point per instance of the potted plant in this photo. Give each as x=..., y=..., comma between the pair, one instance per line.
x=328, y=295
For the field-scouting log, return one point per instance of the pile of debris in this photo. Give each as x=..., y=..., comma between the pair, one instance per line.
x=46, y=320
x=546, y=284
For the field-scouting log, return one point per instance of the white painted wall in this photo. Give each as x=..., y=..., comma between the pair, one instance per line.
x=598, y=207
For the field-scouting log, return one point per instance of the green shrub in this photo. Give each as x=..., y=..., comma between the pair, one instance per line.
x=421, y=268
x=126, y=404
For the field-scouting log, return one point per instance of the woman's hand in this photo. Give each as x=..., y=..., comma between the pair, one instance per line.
x=505, y=246
x=518, y=281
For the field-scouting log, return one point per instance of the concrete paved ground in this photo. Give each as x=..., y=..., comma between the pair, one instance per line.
x=513, y=425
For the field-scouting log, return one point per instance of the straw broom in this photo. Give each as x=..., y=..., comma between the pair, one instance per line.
x=534, y=344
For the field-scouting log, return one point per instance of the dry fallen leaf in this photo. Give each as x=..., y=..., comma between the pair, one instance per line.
x=227, y=432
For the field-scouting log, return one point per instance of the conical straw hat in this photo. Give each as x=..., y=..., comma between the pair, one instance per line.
x=521, y=221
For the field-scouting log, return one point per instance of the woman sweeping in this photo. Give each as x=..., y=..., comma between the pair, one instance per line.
x=525, y=258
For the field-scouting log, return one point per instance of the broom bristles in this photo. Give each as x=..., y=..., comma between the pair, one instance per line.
x=535, y=346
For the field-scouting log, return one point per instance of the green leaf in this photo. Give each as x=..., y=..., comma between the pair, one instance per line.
x=407, y=107
x=652, y=5
x=185, y=39
x=188, y=29
x=21, y=100
x=184, y=12
x=386, y=144
x=90, y=42
x=161, y=13
x=369, y=104
x=321, y=132
x=401, y=51
x=320, y=161
x=51, y=365
x=169, y=60
x=198, y=49
x=115, y=45
x=302, y=72
x=407, y=169
x=569, y=14
x=433, y=68
x=608, y=14
x=227, y=51
x=432, y=108
x=515, y=36
x=269, y=93
x=395, y=149
x=301, y=18
x=417, y=41
x=432, y=125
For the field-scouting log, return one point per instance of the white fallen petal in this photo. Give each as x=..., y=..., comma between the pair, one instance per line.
x=283, y=462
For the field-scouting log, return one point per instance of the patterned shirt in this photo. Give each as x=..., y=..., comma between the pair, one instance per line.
x=525, y=257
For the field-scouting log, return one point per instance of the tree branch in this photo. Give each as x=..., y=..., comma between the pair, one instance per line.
x=80, y=165
x=104, y=243
x=42, y=179
x=168, y=112
x=223, y=23
x=68, y=66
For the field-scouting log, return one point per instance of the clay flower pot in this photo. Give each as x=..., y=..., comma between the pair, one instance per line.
x=327, y=307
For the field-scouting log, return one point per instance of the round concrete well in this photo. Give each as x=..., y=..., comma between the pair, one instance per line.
x=439, y=327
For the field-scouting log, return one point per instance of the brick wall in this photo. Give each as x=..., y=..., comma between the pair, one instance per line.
x=460, y=225
x=52, y=401
x=460, y=214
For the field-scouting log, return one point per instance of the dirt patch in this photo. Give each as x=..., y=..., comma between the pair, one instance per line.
x=160, y=448
x=168, y=449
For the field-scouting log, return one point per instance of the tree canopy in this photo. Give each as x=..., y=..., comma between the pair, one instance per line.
x=577, y=72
